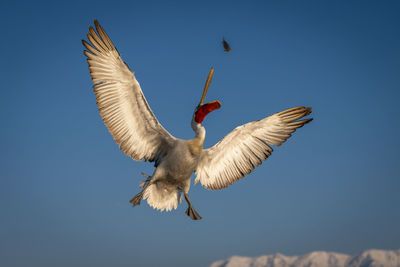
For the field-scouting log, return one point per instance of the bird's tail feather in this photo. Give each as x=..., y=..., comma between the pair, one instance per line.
x=162, y=196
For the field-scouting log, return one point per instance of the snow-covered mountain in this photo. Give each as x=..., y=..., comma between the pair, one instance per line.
x=368, y=258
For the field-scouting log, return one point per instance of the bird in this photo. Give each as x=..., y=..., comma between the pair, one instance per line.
x=134, y=127
x=226, y=46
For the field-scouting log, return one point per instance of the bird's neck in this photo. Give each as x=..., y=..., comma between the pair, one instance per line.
x=200, y=132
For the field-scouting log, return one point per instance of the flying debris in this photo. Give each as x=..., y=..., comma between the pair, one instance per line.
x=134, y=127
x=226, y=46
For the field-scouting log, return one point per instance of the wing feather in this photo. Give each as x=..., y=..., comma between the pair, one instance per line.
x=243, y=149
x=121, y=102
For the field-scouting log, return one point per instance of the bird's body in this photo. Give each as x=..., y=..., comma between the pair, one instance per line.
x=134, y=127
x=173, y=174
x=180, y=162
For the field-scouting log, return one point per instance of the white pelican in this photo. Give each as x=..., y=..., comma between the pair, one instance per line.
x=134, y=127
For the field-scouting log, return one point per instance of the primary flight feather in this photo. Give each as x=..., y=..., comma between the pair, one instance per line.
x=134, y=127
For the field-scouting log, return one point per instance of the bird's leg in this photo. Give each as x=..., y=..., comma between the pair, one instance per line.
x=190, y=210
x=145, y=182
x=136, y=199
x=146, y=175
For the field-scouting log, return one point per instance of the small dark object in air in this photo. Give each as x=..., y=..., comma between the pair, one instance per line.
x=227, y=48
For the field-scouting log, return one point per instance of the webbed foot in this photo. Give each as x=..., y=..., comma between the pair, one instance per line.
x=136, y=199
x=190, y=210
x=192, y=213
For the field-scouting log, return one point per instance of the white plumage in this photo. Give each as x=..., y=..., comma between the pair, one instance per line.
x=121, y=102
x=134, y=127
x=238, y=153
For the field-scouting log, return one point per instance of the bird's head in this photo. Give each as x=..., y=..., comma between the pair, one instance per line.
x=202, y=109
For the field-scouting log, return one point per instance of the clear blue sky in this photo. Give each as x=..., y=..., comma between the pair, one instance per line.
x=65, y=186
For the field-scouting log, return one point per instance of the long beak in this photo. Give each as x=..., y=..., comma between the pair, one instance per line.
x=208, y=81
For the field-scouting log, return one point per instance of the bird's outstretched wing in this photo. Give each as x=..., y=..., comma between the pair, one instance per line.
x=239, y=152
x=121, y=102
